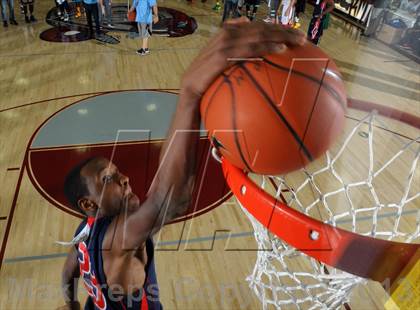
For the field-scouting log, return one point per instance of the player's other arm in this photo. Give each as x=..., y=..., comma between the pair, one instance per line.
x=69, y=278
x=171, y=190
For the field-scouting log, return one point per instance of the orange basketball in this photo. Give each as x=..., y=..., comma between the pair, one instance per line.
x=131, y=16
x=275, y=115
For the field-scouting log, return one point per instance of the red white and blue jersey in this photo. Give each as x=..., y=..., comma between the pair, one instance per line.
x=93, y=275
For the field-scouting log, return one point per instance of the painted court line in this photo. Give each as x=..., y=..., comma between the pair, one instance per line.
x=184, y=241
x=13, y=169
x=159, y=244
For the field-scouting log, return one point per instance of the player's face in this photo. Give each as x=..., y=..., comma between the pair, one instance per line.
x=109, y=189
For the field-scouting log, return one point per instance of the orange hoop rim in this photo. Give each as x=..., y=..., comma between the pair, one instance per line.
x=366, y=257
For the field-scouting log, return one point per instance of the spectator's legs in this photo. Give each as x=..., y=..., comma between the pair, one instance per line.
x=316, y=36
x=96, y=18
x=254, y=11
x=228, y=9
x=108, y=11
x=248, y=11
x=25, y=12
x=11, y=10
x=3, y=12
x=31, y=11
x=100, y=12
x=88, y=11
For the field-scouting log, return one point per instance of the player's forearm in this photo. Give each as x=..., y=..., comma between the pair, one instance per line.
x=174, y=181
x=155, y=10
x=69, y=289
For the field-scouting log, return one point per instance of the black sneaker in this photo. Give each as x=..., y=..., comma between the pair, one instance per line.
x=140, y=52
x=5, y=24
x=13, y=22
x=146, y=51
x=32, y=19
x=27, y=19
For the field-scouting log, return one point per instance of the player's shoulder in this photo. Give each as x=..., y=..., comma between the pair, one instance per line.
x=114, y=236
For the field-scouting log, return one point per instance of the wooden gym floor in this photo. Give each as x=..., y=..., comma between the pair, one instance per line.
x=39, y=78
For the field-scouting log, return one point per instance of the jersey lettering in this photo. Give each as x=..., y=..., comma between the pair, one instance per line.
x=89, y=279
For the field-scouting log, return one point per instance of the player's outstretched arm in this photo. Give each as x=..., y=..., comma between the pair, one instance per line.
x=69, y=278
x=170, y=192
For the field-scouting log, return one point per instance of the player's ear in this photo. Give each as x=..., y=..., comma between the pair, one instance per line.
x=87, y=205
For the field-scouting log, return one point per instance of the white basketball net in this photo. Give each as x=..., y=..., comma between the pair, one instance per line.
x=369, y=184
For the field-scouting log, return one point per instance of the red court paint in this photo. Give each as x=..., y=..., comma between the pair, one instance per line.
x=47, y=168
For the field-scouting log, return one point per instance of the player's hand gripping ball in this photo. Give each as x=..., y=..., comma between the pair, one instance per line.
x=276, y=114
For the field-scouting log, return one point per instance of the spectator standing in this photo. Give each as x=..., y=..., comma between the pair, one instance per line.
x=106, y=8
x=146, y=16
x=299, y=9
x=316, y=26
x=91, y=8
x=287, y=13
x=230, y=9
x=274, y=9
x=28, y=7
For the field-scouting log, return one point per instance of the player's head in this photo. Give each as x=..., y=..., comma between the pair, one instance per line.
x=96, y=185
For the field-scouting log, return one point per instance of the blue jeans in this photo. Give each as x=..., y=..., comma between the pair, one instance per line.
x=92, y=9
x=11, y=4
x=107, y=18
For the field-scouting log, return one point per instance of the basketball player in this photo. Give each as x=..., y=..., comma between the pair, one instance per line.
x=321, y=9
x=113, y=250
